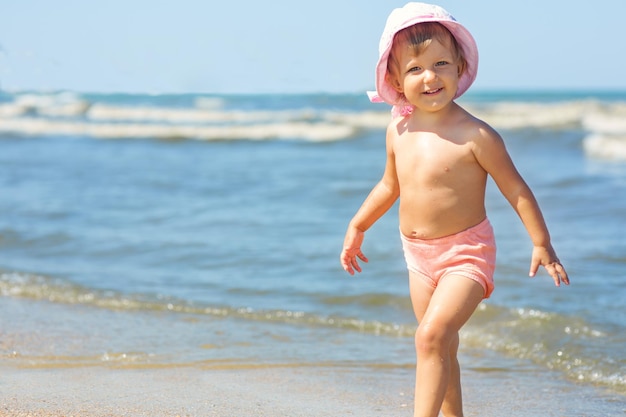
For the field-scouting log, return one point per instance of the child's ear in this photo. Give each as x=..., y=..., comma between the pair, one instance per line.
x=462, y=66
x=394, y=82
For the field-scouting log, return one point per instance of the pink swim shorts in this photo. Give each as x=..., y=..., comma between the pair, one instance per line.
x=470, y=253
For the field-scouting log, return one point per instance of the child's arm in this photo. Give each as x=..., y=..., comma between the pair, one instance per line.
x=380, y=199
x=494, y=158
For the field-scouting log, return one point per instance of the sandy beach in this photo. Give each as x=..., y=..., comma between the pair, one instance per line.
x=188, y=392
x=276, y=392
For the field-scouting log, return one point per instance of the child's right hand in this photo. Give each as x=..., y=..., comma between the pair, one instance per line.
x=352, y=250
x=547, y=257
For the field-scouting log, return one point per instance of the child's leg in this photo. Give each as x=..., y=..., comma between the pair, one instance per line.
x=441, y=313
x=421, y=292
x=453, y=401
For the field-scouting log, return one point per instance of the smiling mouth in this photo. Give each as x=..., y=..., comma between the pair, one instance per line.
x=430, y=92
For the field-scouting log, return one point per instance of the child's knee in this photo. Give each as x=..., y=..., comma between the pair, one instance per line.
x=430, y=338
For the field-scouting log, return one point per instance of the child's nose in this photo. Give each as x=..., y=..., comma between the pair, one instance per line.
x=430, y=75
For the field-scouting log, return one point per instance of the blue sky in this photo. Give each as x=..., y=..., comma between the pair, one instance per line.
x=281, y=46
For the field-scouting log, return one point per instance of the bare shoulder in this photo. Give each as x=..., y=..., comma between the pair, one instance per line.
x=477, y=131
x=487, y=145
x=395, y=129
x=397, y=126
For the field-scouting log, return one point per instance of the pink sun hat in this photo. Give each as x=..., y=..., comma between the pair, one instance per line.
x=409, y=15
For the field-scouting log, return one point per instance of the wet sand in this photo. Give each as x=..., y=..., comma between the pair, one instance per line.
x=279, y=392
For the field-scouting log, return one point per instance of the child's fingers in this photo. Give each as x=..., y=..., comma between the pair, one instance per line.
x=346, y=263
x=350, y=262
x=554, y=274
x=534, y=266
x=563, y=273
x=355, y=263
x=558, y=273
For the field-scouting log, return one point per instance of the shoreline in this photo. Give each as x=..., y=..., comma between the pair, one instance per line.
x=280, y=392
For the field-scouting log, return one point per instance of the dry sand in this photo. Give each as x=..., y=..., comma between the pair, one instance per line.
x=184, y=392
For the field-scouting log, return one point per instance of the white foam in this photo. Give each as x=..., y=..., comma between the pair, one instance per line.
x=11, y=110
x=607, y=123
x=65, y=110
x=368, y=120
x=54, y=105
x=605, y=147
x=513, y=115
x=296, y=130
x=69, y=114
x=209, y=103
x=102, y=112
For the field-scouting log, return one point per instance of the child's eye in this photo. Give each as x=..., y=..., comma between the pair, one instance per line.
x=414, y=69
x=441, y=63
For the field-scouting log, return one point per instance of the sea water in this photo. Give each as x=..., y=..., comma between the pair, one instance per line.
x=203, y=230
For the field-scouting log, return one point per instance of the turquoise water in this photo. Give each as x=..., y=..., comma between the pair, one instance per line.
x=198, y=230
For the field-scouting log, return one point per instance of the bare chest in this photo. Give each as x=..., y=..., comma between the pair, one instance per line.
x=433, y=161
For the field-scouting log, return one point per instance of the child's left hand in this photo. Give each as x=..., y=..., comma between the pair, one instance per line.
x=352, y=250
x=546, y=256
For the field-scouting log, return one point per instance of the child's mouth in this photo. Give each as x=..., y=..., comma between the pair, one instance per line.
x=431, y=92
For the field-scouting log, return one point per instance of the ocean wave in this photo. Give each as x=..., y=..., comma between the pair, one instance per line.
x=607, y=137
x=103, y=112
x=611, y=121
x=571, y=345
x=315, y=132
x=128, y=116
x=211, y=119
x=516, y=115
x=604, y=146
x=580, y=350
x=70, y=114
x=55, y=105
x=37, y=287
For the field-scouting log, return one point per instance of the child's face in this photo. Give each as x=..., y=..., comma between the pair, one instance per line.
x=429, y=80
